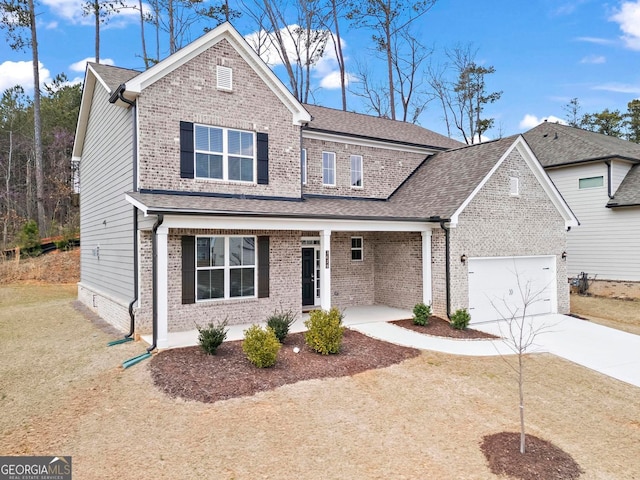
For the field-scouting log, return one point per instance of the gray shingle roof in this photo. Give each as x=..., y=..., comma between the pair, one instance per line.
x=367, y=126
x=628, y=193
x=113, y=76
x=444, y=181
x=555, y=145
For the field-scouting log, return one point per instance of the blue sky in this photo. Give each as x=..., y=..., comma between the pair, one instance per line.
x=545, y=52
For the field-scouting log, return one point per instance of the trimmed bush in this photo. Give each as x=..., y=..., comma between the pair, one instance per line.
x=324, y=331
x=261, y=346
x=421, y=314
x=280, y=322
x=460, y=319
x=211, y=337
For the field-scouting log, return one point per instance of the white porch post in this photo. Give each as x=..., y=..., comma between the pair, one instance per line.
x=163, y=286
x=426, y=267
x=325, y=269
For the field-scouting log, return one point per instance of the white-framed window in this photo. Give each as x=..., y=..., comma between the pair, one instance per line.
x=303, y=165
x=224, y=78
x=225, y=267
x=357, y=249
x=356, y=171
x=591, y=182
x=329, y=169
x=514, y=186
x=224, y=154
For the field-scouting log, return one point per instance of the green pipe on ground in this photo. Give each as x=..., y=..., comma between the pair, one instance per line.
x=119, y=341
x=132, y=361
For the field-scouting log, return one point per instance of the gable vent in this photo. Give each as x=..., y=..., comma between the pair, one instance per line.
x=224, y=78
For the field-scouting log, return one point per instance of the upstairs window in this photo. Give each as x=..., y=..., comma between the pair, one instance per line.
x=224, y=154
x=329, y=169
x=303, y=165
x=590, y=182
x=356, y=171
x=225, y=267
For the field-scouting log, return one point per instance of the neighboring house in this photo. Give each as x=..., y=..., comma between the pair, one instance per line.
x=599, y=177
x=209, y=192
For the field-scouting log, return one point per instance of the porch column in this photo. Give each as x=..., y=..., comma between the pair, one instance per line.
x=426, y=267
x=325, y=269
x=163, y=286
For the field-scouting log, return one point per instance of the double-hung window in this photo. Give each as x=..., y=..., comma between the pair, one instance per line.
x=329, y=169
x=225, y=267
x=356, y=248
x=224, y=154
x=356, y=171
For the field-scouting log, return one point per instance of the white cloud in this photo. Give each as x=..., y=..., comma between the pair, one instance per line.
x=81, y=65
x=331, y=80
x=594, y=59
x=71, y=10
x=618, y=88
x=530, y=121
x=21, y=73
x=628, y=17
x=596, y=40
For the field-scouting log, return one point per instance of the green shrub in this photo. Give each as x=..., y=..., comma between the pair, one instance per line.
x=211, y=337
x=460, y=319
x=421, y=314
x=261, y=346
x=29, y=239
x=324, y=331
x=280, y=322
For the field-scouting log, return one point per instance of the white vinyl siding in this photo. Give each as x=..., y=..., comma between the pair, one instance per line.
x=619, y=170
x=329, y=169
x=607, y=241
x=106, y=218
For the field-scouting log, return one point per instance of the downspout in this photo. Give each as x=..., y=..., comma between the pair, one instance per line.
x=608, y=164
x=447, y=267
x=132, y=324
x=154, y=249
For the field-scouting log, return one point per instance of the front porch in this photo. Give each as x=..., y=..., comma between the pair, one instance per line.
x=352, y=316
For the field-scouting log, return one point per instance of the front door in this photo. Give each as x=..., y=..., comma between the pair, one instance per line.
x=308, y=277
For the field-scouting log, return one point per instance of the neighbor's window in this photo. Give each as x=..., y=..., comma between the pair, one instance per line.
x=356, y=248
x=591, y=182
x=328, y=168
x=224, y=154
x=356, y=171
x=303, y=165
x=225, y=267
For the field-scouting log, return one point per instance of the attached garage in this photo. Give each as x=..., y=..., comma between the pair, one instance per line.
x=500, y=286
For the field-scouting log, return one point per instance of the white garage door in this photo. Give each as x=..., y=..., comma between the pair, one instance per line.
x=499, y=287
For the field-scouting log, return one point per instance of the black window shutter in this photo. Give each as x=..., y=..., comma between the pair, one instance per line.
x=263, y=158
x=188, y=269
x=263, y=267
x=186, y=150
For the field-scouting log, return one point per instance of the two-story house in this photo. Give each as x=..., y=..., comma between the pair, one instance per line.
x=209, y=192
x=599, y=177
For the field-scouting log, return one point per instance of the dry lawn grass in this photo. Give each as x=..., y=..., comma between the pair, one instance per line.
x=62, y=392
x=611, y=312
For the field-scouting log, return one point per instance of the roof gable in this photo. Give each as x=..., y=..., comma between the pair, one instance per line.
x=557, y=145
x=628, y=193
x=226, y=32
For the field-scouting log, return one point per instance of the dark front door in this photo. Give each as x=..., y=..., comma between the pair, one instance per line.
x=308, y=294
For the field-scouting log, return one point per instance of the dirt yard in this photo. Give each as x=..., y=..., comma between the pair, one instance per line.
x=62, y=392
x=612, y=312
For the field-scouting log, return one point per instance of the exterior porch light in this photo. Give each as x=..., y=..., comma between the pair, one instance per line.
x=463, y=258
x=564, y=255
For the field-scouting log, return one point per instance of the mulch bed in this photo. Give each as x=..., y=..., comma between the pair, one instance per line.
x=542, y=460
x=441, y=328
x=191, y=374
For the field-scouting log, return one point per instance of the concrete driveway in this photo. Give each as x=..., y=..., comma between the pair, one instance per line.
x=606, y=350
